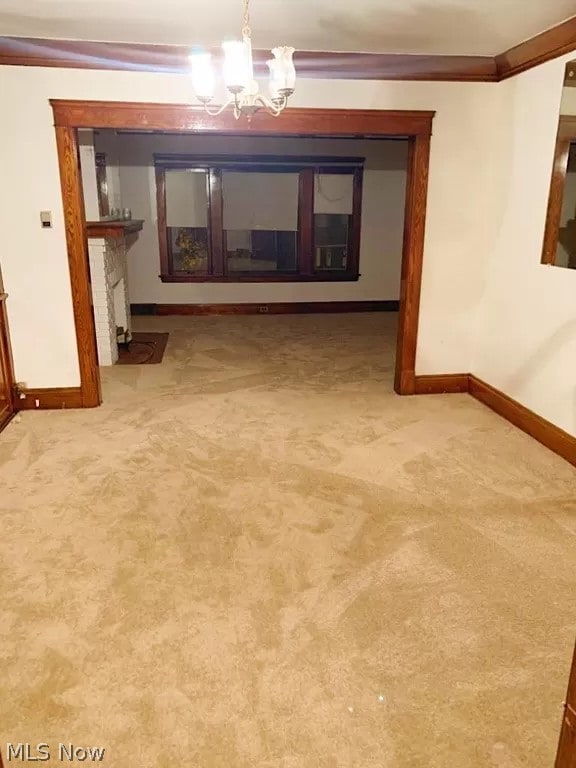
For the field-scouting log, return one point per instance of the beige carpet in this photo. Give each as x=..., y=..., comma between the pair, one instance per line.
x=255, y=554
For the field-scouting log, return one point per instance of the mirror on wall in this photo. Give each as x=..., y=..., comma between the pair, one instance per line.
x=560, y=233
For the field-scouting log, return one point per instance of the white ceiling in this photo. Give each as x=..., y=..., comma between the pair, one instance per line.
x=390, y=26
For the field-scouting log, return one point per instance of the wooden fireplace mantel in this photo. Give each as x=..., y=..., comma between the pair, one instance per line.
x=119, y=228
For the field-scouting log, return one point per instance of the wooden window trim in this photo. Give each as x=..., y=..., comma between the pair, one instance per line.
x=306, y=167
x=243, y=161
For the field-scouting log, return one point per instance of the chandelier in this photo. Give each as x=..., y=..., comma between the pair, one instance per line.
x=238, y=72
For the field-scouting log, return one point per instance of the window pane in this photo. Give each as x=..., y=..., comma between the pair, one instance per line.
x=333, y=195
x=187, y=219
x=260, y=221
x=189, y=248
x=566, y=250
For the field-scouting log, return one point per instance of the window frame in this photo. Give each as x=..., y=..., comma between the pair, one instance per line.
x=306, y=167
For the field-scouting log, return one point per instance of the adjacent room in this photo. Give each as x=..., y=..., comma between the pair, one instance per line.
x=184, y=226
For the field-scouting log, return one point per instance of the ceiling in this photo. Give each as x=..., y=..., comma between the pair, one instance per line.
x=483, y=27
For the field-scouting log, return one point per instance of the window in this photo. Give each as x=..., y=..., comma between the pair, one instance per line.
x=258, y=219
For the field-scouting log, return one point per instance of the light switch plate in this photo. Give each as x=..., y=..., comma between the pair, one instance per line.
x=46, y=219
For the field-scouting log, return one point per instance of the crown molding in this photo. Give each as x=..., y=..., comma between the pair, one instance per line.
x=139, y=57
x=546, y=46
x=78, y=54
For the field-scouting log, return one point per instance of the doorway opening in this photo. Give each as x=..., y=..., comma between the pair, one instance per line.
x=222, y=248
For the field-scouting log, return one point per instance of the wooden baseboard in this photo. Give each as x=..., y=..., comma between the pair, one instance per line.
x=54, y=398
x=5, y=419
x=540, y=429
x=270, y=308
x=441, y=384
x=143, y=309
x=537, y=427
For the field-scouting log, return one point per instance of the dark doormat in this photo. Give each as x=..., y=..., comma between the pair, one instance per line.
x=144, y=348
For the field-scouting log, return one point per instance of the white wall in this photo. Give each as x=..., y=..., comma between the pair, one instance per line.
x=526, y=332
x=34, y=261
x=382, y=219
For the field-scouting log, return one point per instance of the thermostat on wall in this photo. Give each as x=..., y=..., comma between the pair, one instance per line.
x=46, y=219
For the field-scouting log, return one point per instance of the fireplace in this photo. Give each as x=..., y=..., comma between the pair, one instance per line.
x=109, y=278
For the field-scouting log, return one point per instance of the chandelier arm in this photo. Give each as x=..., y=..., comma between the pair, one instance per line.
x=273, y=109
x=219, y=110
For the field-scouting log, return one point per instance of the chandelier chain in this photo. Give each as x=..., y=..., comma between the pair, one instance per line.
x=246, y=20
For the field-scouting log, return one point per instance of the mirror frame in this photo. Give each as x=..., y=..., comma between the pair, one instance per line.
x=565, y=136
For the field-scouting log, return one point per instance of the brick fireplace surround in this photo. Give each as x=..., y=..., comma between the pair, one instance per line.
x=109, y=277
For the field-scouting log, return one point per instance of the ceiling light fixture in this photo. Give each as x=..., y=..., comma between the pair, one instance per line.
x=238, y=71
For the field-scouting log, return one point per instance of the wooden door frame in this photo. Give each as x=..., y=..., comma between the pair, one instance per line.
x=566, y=755
x=416, y=126
x=6, y=362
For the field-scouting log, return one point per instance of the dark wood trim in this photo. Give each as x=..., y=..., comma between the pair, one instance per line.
x=565, y=136
x=77, y=245
x=566, y=756
x=540, y=429
x=259, y=163
x=5, y=419
x=70, y=115
x=412, y=259
x=305, y=247
x=165, y=265
x=6, y=362
x=143, y=309
x=53, y=398
x=82, y=54
x=76, y=54
x=555, y=200
x=271, y=308
x=331, y=123
x=441, y=384
x=96, y=229
x=547, y=45
x=355, y=224
x=325, y=276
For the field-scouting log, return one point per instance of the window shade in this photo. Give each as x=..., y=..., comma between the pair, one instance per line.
x=186, y=198
x=266, y=201
x=333, y=193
